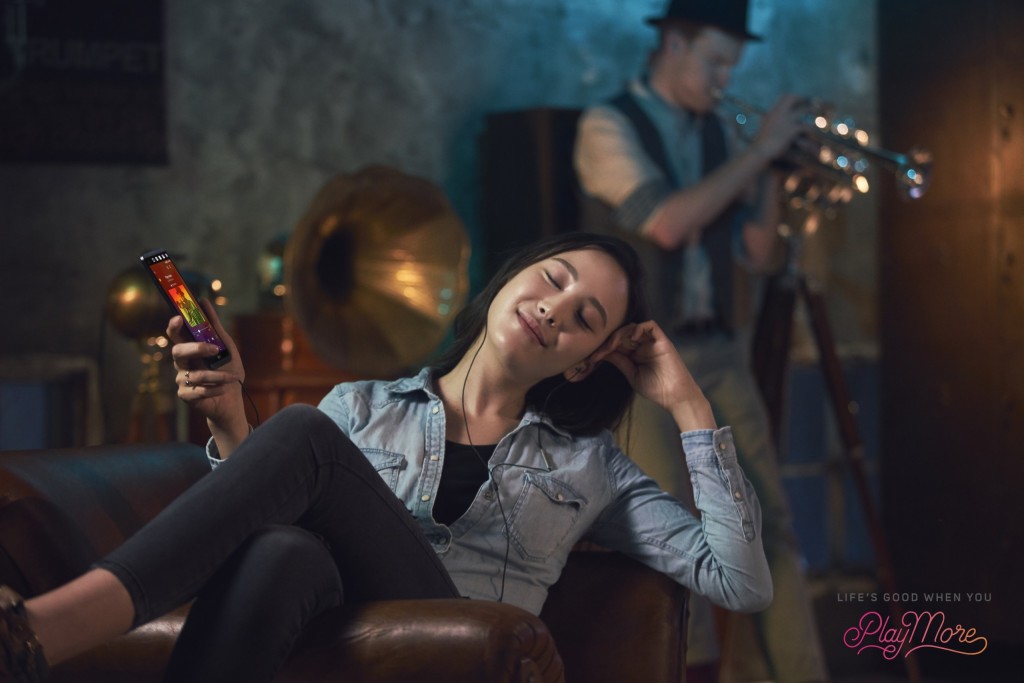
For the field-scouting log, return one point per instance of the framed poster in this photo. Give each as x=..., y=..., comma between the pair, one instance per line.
x=82, y=82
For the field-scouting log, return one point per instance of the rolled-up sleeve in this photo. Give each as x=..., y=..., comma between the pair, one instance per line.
x=612, y=166
x=720, y=555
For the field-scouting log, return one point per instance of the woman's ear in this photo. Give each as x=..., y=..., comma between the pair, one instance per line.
x=580, y=371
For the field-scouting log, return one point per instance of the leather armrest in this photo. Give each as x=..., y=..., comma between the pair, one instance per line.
x=385, y=642
x=634, y=616
x=423, y=640
x=139, y=656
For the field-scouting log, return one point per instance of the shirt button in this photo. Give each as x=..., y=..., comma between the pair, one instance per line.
x=738, y=495
x=424, y=498
x=721, y=445
x=560, y=497
x=435, y=410
x=434, y=458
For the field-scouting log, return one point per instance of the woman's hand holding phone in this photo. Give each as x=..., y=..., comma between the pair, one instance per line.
x=215, y=393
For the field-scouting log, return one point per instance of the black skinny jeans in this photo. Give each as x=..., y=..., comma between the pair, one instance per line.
x=295, y=520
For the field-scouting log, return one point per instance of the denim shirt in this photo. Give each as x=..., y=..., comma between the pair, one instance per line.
x=552, y=490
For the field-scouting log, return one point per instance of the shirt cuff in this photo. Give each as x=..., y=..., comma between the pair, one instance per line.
x=703, y=446
x=213, y=453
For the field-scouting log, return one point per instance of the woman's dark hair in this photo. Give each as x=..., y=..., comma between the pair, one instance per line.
x=601, y=399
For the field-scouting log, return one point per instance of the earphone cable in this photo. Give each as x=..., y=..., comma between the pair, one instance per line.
x=252, y=403
x=490, y=473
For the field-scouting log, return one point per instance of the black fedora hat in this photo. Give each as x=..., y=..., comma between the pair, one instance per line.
x=728, y=15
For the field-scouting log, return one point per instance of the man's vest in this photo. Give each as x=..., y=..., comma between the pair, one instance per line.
x=664, y=267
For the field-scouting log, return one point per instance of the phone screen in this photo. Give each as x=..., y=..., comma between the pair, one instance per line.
x=173, y=286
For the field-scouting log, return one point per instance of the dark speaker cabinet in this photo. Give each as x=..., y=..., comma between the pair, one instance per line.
x=529, y=188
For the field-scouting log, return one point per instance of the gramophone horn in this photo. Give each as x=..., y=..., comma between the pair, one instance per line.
x=376, y=271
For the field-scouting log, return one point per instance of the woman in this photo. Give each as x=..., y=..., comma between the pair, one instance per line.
x=474, y=478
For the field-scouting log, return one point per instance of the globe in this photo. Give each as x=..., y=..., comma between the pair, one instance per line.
x=135, y=307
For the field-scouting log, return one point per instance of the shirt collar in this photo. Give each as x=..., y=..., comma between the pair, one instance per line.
x=641, y=88
x=421, y=381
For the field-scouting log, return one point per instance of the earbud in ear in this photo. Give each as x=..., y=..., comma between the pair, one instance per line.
x=578, y=371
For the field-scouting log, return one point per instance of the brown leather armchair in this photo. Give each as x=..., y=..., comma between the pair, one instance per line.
x=607, y=619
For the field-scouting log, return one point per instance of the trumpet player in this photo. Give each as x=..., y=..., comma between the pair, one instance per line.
x=657, y=167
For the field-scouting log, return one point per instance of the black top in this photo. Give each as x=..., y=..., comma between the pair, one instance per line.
x=465, y=469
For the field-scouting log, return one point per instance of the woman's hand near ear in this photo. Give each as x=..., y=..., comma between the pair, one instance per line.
x=649, y=360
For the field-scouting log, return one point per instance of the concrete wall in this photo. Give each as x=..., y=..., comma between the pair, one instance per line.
x=268, y=99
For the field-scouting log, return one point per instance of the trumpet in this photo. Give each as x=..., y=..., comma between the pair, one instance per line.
x=828, y=165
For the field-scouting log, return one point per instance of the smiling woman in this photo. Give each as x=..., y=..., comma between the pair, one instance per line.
x=505, y=439
x=553, y=306
x=577, y=407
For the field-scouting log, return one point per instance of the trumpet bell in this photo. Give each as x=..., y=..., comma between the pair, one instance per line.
x=376, y=271
x=914, y=173
x=834, y=154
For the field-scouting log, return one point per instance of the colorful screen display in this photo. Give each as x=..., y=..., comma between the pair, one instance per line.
x=174, y=286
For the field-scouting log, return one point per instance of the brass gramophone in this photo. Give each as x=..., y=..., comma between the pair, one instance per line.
x=376, y=271
x=373, y=276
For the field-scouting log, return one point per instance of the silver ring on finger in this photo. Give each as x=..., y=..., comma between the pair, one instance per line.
x=188, y=382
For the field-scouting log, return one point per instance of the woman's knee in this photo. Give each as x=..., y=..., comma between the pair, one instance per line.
x=283, y=553
x=280, y=573
x=306, y=422
x=245, y=621
x=302, y=416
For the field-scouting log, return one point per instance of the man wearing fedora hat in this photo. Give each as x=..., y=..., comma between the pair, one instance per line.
x=657, y=167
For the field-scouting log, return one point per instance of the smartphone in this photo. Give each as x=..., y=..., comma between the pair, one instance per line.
x=170, y=283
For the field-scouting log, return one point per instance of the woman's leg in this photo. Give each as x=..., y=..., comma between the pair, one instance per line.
x=244, y=622
x=79, y=615
x=298, y=468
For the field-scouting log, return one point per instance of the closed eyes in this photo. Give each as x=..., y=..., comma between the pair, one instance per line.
x=554, y=282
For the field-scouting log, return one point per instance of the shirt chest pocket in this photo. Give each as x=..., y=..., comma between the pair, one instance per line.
x=543, y=517
x=389, y=465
